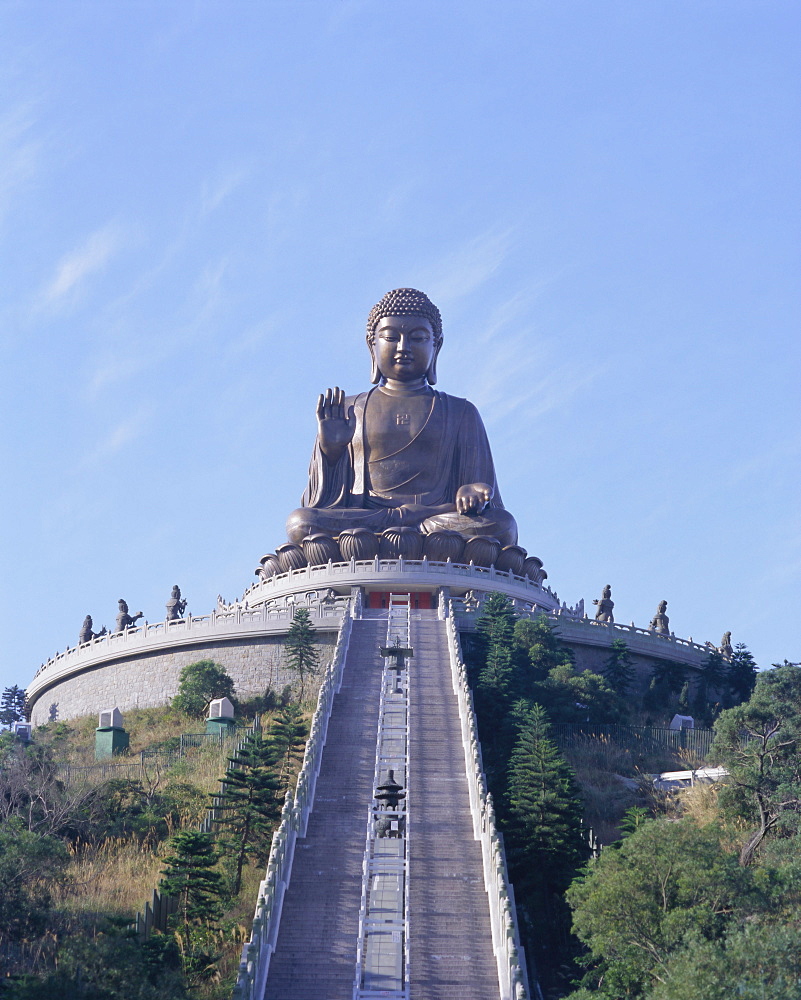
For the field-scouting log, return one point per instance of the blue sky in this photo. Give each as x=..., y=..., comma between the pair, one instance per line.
x=200, y=202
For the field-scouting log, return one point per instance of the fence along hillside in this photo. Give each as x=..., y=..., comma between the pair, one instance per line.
x=638, y=739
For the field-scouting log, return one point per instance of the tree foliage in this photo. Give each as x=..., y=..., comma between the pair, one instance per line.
x=31, y=864
x=12, y=706
x=759, y=961
x=545, y=833
x=301, y=652
x=710, y=684
x=108, y=965
x=189, y=875
x=32, y=792
x=288, y=734
x=518, y=668
x=619, y=669
x=249, y=803
x=758, y=743
x=741, y=675
x=199, y=684
x=667, y=678
x=667, y=885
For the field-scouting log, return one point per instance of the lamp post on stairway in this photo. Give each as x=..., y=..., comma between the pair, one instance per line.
x=399, y=653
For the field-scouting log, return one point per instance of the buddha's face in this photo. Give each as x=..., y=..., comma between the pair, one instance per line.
x=404, y=347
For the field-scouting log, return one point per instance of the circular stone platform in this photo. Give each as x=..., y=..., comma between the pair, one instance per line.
x=140, y=666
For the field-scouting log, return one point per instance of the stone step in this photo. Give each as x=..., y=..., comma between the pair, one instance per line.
x=450, y=939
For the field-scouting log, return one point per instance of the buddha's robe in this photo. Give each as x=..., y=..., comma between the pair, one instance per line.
x=410, y=453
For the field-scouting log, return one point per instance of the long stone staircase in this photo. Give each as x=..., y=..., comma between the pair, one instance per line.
x=450, y=940
x=315, y=954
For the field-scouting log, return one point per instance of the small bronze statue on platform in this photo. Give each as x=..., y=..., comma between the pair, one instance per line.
x=86, y=634
x=124, y=619
x=660, y=622
x=175, y=606
x=605, y=604
x=471, y=602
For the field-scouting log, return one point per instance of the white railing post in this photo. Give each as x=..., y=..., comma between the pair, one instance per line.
x=256, y=954
x=509, y=955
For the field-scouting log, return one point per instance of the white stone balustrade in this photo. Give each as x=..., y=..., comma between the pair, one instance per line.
x=587, y=631
x=412, y=573
x=219, y=625
x=255, y=961
x=512, y=972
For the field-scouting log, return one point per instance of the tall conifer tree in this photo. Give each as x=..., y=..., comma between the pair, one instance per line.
x=618, y=669
x=190, y=877
x=302, y=656
x=741, y=674
x=545, y=810
x=250, y=803
x=12, y=707
x=288, y=735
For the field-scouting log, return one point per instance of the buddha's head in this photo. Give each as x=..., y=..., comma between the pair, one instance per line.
x=404, y=335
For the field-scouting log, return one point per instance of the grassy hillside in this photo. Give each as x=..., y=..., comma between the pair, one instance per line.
x=103, y=834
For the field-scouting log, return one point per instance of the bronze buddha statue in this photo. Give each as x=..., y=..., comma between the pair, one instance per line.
x=402, y=453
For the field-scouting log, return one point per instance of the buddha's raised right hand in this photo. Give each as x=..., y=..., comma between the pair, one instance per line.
x=335, y=427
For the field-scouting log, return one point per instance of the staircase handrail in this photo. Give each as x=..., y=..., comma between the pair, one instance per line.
x=257, y=952
x=509, y=954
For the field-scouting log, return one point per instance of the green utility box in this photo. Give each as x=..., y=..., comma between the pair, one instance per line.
x=222, y=726
x=221, y=717
x=109, y=742
x=110, y=738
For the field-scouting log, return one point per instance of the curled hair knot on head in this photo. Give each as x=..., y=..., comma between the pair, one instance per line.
x=405, y=302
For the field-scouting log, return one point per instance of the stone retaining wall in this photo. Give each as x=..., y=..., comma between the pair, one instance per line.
x=255, y=663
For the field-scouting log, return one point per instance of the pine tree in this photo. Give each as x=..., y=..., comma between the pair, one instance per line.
x=545, y=811
x=495, y=675
x=741, y=675
x=189, y=876
x=711, y=676
x=288, y=734
x=763, y=786
x=684, y=699
x=12, y=706
x=302, y=656
x=492, y=668
x=497, y=618
x=250, y=803
x=667, y=678
x=544, y=649
x=619, y=670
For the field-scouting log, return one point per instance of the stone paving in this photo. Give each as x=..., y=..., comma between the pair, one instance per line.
x=315, y=957
x=451, y=955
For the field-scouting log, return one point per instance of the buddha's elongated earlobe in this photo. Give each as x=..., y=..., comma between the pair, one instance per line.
x=431, y=374
x=375, y=374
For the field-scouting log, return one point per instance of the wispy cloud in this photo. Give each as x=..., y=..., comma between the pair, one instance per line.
x=521, y=371
x=115, y=368
x=87, y=259
x=120, y=436
x=19, y=153
x=783, y=452
x=214, y=192
x=510, y=384
x=465, y=269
